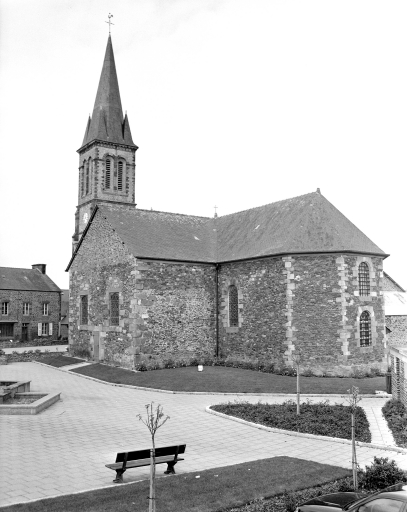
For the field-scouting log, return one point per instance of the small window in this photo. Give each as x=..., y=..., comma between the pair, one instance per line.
x=45, y=309
x=4, y=308
x=44, y=329
x=382, y=504
x=84, y=310
x=114, y=308
x=87, y=179
x=364, y=279
x=233, y=307
x=107, y=173
x=26, y=308
x=120, y=176
x=6, y=330
x=365, y=329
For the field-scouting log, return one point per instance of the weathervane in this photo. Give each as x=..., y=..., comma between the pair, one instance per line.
x=110, y=23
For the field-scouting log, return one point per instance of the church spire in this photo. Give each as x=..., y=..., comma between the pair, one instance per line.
x=107, y=123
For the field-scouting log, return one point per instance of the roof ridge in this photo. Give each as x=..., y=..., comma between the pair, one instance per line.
x=104, y=207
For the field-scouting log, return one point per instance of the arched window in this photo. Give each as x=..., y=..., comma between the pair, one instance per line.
x=233, y=307
x=364, y=279
x=365, y=329
x=120, y=176
x=82, y=171
x=107, y=172
x=87, y=179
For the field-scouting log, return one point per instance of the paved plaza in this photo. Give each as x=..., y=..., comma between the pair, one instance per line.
x=65, y=448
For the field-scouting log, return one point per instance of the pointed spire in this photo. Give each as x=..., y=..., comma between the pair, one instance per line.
x=107, y=122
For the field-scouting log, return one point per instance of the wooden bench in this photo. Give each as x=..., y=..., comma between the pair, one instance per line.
x=139, y=458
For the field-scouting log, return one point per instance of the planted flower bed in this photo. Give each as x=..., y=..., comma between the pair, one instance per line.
x=395, y=413
x=320, y=418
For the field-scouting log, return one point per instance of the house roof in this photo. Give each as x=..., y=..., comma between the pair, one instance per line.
x=304, y=224
x=107, y=122
x=26, y=279
x=390, y=285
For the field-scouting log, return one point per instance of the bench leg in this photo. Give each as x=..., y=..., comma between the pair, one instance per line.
x=119, y=476
x=170, y=468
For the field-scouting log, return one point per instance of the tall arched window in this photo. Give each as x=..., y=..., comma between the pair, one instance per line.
x=108, y=172
x=87, y=179
x=365, y=329
x=364, y=279
x=82, y=180
x=120, y=176
x=233, y=307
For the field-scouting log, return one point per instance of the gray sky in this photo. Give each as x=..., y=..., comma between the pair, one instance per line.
x=234, y=103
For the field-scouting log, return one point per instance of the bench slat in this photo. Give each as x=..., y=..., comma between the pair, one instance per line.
x=145, y=453
x=142, y=462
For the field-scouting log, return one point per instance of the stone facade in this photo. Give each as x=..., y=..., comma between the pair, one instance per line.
x=398, y=358
x=398, y=327
x=16, y=299
x=307, y=304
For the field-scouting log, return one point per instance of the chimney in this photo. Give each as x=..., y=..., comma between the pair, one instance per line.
x=41, y=267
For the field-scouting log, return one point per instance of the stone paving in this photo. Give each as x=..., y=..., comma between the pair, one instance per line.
x=64, y=449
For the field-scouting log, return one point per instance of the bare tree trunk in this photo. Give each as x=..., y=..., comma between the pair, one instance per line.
x=298, y=389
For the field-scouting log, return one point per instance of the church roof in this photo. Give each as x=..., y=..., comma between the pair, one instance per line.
x=390, y=285
x=304, y=224
x=26, y=279
x=107, y=122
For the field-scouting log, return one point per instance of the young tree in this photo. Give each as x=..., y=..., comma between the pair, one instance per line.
x=353, y=398
x=153, y=421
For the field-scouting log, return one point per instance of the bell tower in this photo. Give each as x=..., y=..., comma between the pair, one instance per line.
x=107, y=157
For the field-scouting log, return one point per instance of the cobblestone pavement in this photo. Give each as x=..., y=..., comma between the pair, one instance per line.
x=64, y=449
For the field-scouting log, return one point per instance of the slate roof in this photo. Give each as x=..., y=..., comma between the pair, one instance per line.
x=107, y=122
x=26, y=279
x=303, y=224
x=390, y=285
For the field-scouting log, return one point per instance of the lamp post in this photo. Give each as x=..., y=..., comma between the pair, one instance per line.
x=297, y=359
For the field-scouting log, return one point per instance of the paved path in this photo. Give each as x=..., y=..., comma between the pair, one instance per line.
x=64, y=449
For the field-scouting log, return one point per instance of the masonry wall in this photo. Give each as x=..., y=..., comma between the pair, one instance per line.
x=304, y=304
x=16, y=298
x=398, y=325
x=176, y=309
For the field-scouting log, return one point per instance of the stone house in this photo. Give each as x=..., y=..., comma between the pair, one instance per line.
x=295, y=276
x=395, y=300
x=30, y=304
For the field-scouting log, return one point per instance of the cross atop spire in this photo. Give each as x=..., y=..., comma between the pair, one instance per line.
x=110, y=22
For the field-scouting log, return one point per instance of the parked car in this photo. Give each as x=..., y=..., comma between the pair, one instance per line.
x=391, y=499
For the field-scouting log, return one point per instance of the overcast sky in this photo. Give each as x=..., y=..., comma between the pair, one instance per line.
x=234, y=103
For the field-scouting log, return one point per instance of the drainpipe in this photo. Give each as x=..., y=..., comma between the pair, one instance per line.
x=217, y=307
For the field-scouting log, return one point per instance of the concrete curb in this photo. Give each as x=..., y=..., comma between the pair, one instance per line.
x=141, y=388
x=308, y=436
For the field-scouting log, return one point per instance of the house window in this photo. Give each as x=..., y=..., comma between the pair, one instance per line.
x=45, y=308
x=120, y=176
x=365, y=329
x=6, y=330
x=26, y=308
x=45, y=329
x=84, y=310
x=107, y=172
x=364, y=279
x=4, y=308
x=233, y=307
x=114, y=308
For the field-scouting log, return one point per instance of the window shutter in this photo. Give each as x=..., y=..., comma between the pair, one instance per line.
x=39, y=329
x=50, y=329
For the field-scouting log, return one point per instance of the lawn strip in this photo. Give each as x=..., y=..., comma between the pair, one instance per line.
x=319, y=419
x=228, y=380
x=395, y=413
x=202, y=491
x=58, y=361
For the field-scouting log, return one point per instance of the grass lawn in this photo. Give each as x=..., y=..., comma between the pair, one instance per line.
x=229, y=380
x=203, y=491
x=320, y=419
x=60, y=360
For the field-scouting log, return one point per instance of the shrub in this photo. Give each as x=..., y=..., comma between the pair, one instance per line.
x=194, y=361
x=169, y=363
x=307, y=373
x=290, y=501
x=381, y=473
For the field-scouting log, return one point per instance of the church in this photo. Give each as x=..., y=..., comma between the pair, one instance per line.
x=294, y=277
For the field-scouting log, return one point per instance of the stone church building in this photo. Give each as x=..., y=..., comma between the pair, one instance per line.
x=295, y=276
